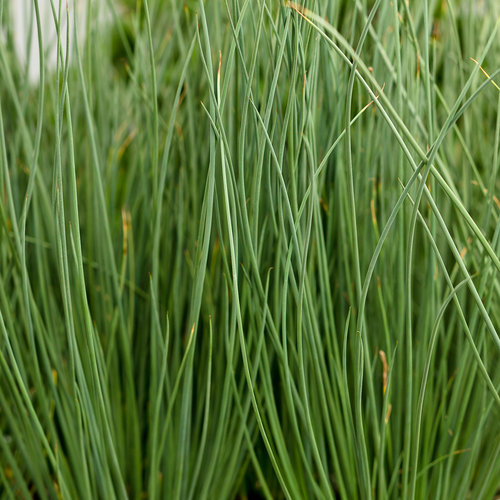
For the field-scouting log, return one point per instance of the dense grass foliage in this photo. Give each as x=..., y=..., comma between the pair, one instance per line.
x=250, y=249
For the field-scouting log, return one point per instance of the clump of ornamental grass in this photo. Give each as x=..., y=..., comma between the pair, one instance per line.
x=250, y=249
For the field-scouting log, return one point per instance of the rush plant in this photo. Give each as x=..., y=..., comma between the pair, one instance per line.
x=251, y=249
